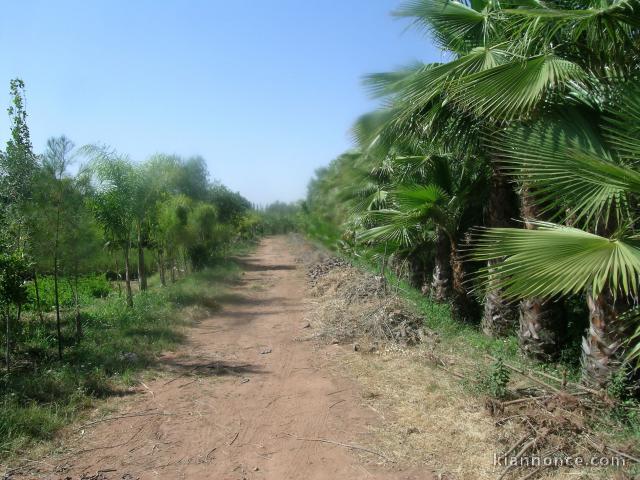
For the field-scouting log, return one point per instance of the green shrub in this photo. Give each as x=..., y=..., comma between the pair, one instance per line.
x=89, y=288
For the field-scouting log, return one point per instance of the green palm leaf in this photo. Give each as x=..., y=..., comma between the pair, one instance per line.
x=622, y=125
x=512, y=90
x=567, y=168
x=557, y=260
x=394, y=226
x=452, y=24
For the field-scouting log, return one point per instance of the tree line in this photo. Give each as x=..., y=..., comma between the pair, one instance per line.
x=85, y=218
x=503, y=180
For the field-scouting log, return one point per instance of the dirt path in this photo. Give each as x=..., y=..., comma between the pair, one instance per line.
x=247, y=398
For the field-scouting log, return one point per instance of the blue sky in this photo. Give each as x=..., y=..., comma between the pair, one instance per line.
x=265, y=90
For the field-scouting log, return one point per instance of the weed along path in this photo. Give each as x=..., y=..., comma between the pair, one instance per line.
x=247, y=397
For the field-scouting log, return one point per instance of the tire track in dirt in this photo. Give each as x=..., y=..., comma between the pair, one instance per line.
x=246, y=399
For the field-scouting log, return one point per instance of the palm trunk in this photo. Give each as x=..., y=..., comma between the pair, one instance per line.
x=417, y=271
x=541, y=324
x=127, y=275
x=463, y=305
x=441, y=280
x=142, y=279
x=601, y=346
x=499, y=317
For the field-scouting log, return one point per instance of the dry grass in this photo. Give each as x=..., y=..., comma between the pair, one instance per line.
x=427, y=418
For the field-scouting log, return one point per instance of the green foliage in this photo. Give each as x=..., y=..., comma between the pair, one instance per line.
x=89, y=288
x=14, y=270
x=279, y=218
x=118, y=343
x=497, y=379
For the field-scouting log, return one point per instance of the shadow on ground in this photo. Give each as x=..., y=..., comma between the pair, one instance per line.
x=216, y=368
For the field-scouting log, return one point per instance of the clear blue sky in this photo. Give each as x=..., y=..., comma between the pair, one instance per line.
x=265, y=90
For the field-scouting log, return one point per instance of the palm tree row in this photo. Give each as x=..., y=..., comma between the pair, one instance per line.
x=534, y=119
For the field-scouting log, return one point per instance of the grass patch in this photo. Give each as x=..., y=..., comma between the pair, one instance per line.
x=43, y=394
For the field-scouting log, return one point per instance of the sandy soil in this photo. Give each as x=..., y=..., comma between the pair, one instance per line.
x=247, y=397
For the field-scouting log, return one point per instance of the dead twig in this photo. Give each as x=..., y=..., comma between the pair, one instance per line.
x=188, y=383
x=337, y=391
x=148, y=389
x=235, y=437
x=530, y=475
x=515, y=445
x=111, y=446
x=140, y=414
x=522, y=451
x=525, y=399
x=336, y=403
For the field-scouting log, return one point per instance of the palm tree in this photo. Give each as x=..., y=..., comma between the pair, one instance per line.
x=443, y=203
x=491, y=81
x=112, y=202
x=586, y=175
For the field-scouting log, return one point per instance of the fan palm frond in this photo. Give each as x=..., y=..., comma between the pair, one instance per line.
x=557, y=260
x=512, y=90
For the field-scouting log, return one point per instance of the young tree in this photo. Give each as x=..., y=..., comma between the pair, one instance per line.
x=57, y=157
x=17, y=169
x=112, y=202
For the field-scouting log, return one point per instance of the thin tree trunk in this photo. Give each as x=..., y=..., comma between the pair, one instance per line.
x=127, y=278
x=541, y=323
x=161, y=272
x=77, y=305
x=441, y=280
x=499, y=318
x=37, y=289
x=142, y=279
x=115, y=258
x=173, y=271
x=184, y=261
x=55, y=284
x=7, y=347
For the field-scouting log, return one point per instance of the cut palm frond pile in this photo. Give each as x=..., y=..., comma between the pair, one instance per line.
x=355, y=305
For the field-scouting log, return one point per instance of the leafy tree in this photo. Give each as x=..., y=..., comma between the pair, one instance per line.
x=17, y=168
x=14, y=270
x=116, y=186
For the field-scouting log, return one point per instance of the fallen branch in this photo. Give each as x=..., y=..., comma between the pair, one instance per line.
x=597, y=393
x=528, y=375
x=346, y=445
